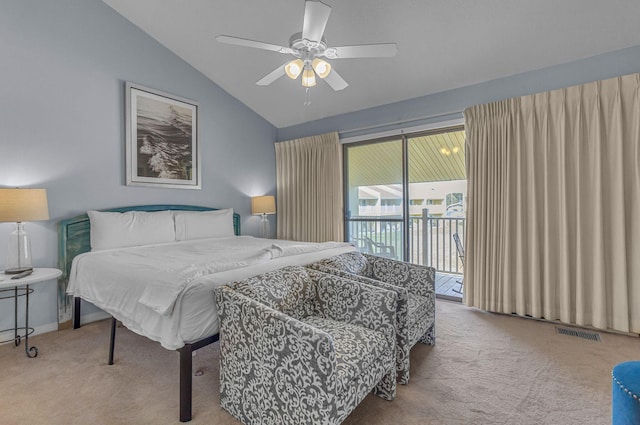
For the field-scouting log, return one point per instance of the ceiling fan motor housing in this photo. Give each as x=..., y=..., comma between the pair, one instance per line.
x=309, y=49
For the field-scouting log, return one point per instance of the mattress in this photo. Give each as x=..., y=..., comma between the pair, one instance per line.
x=165, y=291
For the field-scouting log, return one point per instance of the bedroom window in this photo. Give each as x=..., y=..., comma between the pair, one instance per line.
x=418, y=183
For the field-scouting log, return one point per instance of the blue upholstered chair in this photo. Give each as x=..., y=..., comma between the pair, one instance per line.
x=298, y=346
x=625, y=402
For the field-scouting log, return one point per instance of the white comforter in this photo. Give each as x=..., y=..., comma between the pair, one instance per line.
x=158, y=290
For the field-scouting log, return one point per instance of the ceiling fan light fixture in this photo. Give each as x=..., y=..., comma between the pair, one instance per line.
x=308, y=77
x=321, y=67
x=294, y=68
x=310, y=50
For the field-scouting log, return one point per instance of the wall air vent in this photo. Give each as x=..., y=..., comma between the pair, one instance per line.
x=591, y=336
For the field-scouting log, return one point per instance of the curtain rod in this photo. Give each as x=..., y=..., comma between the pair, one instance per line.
x=401, y=122
x=436, y=123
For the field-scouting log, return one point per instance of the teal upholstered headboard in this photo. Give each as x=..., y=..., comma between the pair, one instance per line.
x=74, y=239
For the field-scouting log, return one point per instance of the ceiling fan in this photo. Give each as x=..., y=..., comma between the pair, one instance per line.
x=309, y=48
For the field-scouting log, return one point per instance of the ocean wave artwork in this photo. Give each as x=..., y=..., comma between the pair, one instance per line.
x=164, y=140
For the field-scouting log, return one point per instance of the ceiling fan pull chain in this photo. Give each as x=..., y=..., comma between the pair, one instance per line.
x=307, y=97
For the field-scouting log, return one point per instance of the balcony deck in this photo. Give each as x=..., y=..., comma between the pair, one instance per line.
x=445, y=285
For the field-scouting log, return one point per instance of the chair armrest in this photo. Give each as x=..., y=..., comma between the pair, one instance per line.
x=356, y=303
x=419, y=280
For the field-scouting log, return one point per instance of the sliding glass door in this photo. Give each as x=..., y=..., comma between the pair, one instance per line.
x=437, y=198
x=375, y=197
x=406, y=197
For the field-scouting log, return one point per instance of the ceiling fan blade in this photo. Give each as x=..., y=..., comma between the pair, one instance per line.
x=336, y=81
x=272, y=76
x=227, y=39
x=316, y=15
x=385, y=50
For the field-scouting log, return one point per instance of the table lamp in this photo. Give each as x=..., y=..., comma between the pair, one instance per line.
x=263, y=205
x=20, y=205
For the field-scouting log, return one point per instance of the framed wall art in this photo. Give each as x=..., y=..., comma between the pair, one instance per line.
x=163, y=146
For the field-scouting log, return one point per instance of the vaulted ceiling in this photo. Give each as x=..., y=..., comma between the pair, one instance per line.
x=443, y=44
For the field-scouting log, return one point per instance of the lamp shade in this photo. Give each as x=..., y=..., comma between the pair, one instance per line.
x=19, y=205
x=294, y=68
x=322, y=68
x=308, y=77
x=263, y=205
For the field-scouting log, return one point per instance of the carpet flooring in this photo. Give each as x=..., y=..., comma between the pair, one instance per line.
x=484, y=369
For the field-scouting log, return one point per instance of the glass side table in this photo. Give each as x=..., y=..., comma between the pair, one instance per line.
x=15, y=288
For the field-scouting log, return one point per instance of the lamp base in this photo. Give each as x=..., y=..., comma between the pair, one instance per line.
x=17, y=270
x=264, y=227
x=19, y=251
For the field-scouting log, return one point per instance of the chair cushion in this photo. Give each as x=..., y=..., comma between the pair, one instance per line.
x=357, y=348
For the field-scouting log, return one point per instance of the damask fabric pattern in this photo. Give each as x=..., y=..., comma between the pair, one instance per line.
x=415, y=286
x=313, y=364
x=402, y=313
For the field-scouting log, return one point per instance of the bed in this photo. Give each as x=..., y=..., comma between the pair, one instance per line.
x=163, y=289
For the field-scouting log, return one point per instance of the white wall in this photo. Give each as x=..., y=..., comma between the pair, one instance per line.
x=63, y=68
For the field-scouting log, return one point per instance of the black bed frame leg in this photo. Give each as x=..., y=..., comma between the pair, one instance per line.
x=76, y=312
x=112, y=340
x=186, y=362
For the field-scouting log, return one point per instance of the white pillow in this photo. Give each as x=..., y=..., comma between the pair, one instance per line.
x=203, y=224
x=131, y=228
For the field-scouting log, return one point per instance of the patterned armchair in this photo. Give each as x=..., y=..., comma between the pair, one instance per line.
x=415, y=287
x=298, y=346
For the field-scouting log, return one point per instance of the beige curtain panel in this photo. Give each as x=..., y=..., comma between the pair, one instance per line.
x=554, y=205
x=309, y=189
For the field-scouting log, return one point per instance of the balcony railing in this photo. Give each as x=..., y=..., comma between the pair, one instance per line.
x=430, y=239
x=434, y=245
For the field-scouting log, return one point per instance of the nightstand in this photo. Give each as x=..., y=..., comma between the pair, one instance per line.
x=16, y=288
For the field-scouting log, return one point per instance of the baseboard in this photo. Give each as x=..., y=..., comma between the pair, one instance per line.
x=94, y=317
x=50, y=327
x=448, y=298
x=43, y=329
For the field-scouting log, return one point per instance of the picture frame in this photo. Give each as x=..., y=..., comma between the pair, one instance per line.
x=162, y=139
